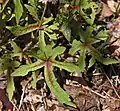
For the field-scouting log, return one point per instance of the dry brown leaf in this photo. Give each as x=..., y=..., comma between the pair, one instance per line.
x=106, y=12
x=112, y=5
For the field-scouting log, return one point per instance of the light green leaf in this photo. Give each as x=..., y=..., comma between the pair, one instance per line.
x=18, y=10
x=16, y=48
x=87, y=5
x=81, y=60
x=10, y=87
x=32, y=10
x=4, y=3
x=19, y=30
x=33, y=82
x=41, y=42
x=66, y=31
x=48, y=51
x=57, y=51
x=70, y=67
x=91, y=62
x=102, y=35
x=47, y=20
x=24, y=69
x=107, y=61
x=52, y=36
x=55, y=88
x=53, y=27
x=75, y=47
x=32, y=2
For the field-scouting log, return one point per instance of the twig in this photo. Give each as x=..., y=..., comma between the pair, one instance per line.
x=22, y=96
x=111, y=96
x=112, y=86
x=89, y=89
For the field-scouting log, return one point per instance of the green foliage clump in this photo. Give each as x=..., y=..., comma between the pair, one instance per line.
x=75, y=26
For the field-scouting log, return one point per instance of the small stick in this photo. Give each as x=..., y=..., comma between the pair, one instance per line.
x=89, y=89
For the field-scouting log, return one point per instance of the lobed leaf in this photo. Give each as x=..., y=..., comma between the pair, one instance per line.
x=32, y=10
x=19, y=30
x=24, y=69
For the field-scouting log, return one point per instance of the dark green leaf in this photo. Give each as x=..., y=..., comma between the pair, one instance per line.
x=81, y=60
x=66, y=31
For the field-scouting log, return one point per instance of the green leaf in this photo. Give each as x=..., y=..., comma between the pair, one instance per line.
x=19, y=30
x=32, y=2
x=4, y=5
x=70, y=67
x=66, y=31
x=81, y=60
x=48, y=51
x=102, y=35
x=75, y=47
x=107, y=61
x=16, y=48
x=53, y=27
x=47, y=20
x=52, y=36
x=18, y=10
x=86, y=5
x=24, y=69
x=33, y=82
x=10, y=87
x=55, y=88
x=17, y=51
x=41, y=42
x=91, y=62
x=57, y=51
x=32, y=10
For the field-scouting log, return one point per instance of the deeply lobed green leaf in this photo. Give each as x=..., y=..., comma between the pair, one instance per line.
x=24, y=69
